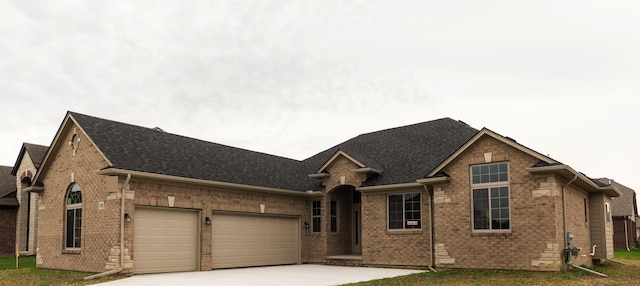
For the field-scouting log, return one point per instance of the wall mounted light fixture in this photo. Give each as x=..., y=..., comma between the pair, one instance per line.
x=207, y=221
x=127, y=218
x=306, y=225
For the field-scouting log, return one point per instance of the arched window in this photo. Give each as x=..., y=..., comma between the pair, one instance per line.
x=73, y=224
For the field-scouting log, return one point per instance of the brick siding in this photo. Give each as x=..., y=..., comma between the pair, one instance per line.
x=535, y=239
x=8, y=233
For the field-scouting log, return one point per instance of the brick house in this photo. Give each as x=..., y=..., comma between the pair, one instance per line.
x=8, y=212
x=118, y=197
x=23, y=170
x=624, y=212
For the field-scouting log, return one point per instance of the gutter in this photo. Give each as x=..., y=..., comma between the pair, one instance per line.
x=138, y=174
x=122, y=201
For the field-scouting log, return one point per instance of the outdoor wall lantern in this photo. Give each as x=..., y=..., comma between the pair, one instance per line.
x=207, y=221
x=306, y=225
x=127, y=218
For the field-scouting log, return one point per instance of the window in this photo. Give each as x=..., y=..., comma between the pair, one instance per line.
x=586, y=216
x=404, y=211
x=73, y=222
x=334, y=216
x=315, y=216
x=490, y=194
x=607, y=211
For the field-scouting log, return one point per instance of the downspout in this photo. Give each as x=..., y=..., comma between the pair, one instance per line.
x=626, y=234
x=564, y=218
x=122, y=200
x=431, y=247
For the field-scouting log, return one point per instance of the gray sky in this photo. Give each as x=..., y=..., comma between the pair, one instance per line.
x=293, y=78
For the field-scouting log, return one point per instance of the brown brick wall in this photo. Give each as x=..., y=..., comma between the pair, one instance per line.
x=8, y=231
x=534, y=230
x=381, y=246
x=100, y=228
x=577, y=224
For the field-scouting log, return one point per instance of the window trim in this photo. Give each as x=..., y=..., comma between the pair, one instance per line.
x=76, y=210
x=488, y=186
x=404, y=220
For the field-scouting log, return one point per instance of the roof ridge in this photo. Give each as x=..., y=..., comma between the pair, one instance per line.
x=167, y=133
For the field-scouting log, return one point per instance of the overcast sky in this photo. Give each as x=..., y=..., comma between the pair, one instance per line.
x=293, y=78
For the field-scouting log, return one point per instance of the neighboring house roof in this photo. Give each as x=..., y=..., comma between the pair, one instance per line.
x=7, y=188
x=36, y=153
x=149, y=150
x=626, y=204
x=403, y=154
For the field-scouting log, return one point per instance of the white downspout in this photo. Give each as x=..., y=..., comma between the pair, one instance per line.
x=122, y=200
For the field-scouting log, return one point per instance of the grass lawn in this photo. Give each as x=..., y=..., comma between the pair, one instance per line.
x=632, y=254
x=28, y=274
x=619, y=274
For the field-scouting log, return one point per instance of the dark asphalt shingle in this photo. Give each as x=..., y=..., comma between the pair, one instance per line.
x=7, y=188
x=404, y=154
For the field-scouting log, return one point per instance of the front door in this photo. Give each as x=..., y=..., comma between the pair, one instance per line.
x=356, y=240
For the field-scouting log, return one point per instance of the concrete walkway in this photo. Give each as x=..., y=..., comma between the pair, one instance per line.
x=304, y=274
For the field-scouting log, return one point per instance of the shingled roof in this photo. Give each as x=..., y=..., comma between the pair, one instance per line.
x=7, y=188
x=149, y=150
x=624, y=205
x=403, y=154
x=36, y=153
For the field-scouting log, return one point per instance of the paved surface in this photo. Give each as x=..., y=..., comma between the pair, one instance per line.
x=304, y=274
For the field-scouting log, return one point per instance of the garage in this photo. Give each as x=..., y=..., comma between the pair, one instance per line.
x=165, y=240
x=241, y=240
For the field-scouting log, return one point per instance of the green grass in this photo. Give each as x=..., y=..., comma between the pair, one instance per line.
x=28, y=274
x=23, y=262
x=618, y=275
x=632, y=254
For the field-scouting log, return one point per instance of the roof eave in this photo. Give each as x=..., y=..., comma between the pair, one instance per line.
x=116, y=171
x=568, y=173
x=391, y=187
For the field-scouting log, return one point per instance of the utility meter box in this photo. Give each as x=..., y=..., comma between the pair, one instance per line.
x=569, y=237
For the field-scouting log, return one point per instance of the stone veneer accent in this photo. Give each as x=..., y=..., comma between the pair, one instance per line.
x=442, y=255
x=550, y=259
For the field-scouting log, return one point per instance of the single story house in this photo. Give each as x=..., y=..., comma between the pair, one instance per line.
x=118, y=197
x=624, y=212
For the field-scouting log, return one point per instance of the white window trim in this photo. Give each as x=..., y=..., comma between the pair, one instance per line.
x=488, y=186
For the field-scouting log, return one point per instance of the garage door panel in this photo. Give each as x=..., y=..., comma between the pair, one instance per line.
x=165, y=240
x=253, y=240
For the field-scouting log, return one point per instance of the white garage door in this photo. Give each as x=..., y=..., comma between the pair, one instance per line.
x=165, y=240
x=254, y=240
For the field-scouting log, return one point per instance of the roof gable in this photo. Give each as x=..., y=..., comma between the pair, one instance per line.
x=335, y=156
x=36, y=153
x=404, y=153
x=487, y=132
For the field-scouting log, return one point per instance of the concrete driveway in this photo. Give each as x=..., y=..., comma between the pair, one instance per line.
x=304, y=274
